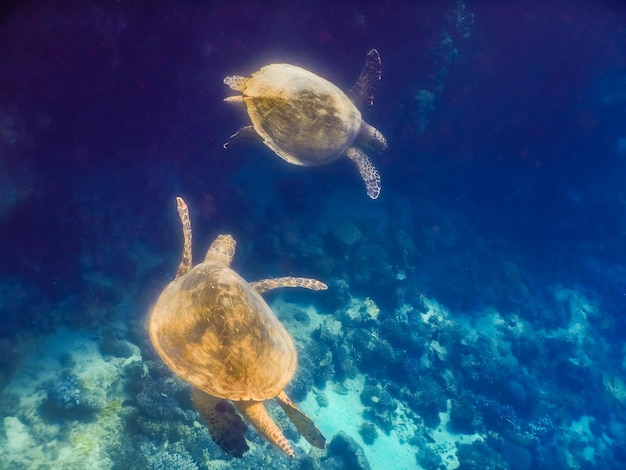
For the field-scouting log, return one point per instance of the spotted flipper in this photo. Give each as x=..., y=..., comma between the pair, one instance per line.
x=368, y=172
x=245, y=134
x=225, y=426
x=183, y=213
x=236, y=82
x=306, y=283
x=257, y=415
x=302, y=422
x=221, y=250
x=362, y=93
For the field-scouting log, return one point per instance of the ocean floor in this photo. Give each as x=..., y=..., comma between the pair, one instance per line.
x=38, y=435
x=415, y=388
x=393, y=451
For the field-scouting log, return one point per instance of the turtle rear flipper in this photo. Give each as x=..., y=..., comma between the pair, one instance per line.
x=368, y=172
x=236, y=82
x=302, y=422
x=306, y=283
x=225, y=426
x=362, y=93
x=243, y=135
x=256, y=413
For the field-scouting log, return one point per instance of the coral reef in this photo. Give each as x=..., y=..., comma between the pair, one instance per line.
x=380, y=405
x=345, y=454
x=346, y=232
x=368, y=432
x=406, y=371
x=68, y=398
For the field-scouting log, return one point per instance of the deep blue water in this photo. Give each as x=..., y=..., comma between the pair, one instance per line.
x=502, y=204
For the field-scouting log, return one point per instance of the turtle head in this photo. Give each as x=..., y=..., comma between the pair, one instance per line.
x=221, y=250
x=372, y=137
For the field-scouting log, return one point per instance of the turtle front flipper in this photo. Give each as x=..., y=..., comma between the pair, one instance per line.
x=256, y=413
x=245, y=134
x=306, y=283
x=368, y=172
x=362, y=93
x=302, y=422
x=225, y=426
x=183, y=213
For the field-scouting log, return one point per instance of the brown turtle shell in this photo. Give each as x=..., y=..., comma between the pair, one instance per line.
x=301, y=116
x=216, y=332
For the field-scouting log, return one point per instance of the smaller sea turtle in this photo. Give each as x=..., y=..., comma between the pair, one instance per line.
x=214, y=330
x=306, y=120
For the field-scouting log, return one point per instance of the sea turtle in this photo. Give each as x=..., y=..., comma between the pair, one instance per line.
x=214, y=330
x=306, y=120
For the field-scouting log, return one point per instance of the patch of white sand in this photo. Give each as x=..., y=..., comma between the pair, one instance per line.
x=344, y=413
x=286, y=312
x=18, y=438
x=595, y=449
x=345, y=410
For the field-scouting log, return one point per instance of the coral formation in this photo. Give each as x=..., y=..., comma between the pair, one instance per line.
x=368, y=432
x=346, y=232
x=344, y=453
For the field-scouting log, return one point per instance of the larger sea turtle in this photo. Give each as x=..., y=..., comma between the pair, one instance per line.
x=306, y=120
x=214, y=330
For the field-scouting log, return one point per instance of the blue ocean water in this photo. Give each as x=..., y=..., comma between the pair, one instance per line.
x=474, y=317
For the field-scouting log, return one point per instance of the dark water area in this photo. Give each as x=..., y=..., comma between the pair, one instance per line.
x=475, y=310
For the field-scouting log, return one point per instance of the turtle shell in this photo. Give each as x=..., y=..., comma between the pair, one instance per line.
x=302, y=117
x=216, y=332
